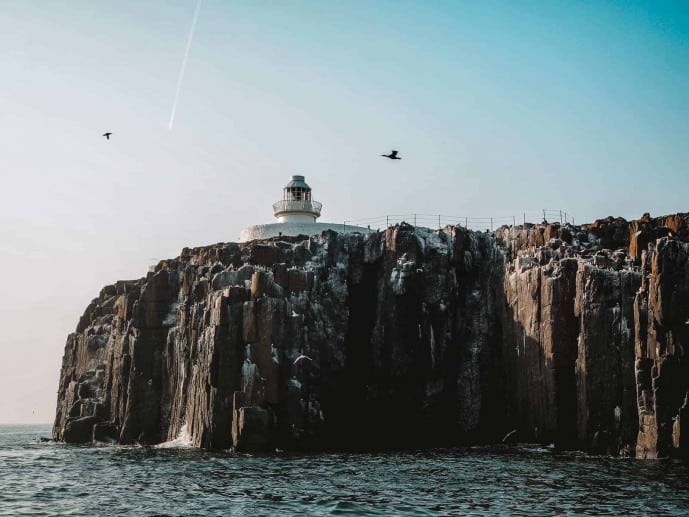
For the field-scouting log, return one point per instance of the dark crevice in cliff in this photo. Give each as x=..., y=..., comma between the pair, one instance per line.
x=397, y=402
x=565, y=336
x=492, y=424
x=348, y=402
x=566, y=399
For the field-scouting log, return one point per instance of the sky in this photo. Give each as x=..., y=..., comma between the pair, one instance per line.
x=497, y=108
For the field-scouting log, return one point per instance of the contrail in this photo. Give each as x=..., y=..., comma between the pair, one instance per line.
x=184, y=64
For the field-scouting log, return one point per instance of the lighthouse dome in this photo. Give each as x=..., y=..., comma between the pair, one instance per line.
x=298, y=182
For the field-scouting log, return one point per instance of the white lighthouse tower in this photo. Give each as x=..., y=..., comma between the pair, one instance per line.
x=296, y=213
x=296, y=205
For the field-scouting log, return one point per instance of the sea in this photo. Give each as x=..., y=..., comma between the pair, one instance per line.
x=46, y=478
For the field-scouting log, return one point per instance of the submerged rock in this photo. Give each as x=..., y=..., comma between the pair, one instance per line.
x=572, y=335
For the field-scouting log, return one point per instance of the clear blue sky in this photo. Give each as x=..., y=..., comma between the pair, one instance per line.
x=496, y=107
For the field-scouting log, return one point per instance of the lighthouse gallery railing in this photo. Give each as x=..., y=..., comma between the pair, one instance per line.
x=291, y=205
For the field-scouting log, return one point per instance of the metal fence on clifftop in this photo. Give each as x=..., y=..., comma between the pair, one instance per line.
x=473, y=223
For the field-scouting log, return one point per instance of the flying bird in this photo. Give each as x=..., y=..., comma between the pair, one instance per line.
x=107, y=135
x=302, y=356
x=392, y=155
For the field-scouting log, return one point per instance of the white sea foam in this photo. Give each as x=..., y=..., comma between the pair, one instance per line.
x=183, y=440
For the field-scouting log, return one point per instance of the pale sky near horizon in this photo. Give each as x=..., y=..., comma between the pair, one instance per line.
x=497, y=107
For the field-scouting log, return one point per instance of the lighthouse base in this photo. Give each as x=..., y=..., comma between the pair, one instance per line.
x=292, y=229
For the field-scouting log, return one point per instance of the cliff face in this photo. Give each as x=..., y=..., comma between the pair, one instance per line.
x=408, y=337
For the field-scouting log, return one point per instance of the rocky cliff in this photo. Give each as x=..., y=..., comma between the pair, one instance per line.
x=408, y=337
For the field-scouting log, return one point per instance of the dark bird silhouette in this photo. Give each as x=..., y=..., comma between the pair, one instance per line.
x=107, y=135
x=392, y=155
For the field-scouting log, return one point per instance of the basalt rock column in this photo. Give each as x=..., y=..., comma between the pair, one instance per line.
x=662, y=371
x=540, y=347
x=607, y=420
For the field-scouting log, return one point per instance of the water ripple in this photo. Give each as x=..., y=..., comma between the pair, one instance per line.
x=55, y=479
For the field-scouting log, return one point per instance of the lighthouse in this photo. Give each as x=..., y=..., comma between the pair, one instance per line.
x=296, y=213
x=296, y=205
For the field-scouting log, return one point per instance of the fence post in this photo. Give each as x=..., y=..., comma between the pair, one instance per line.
x=344, y=227
x=414, y=220
x=514, y=221
x=544, y=219
x=565, y=217
x=438, y=221
x=466, y=222
x=560, y=216
x=491, y=224
x=387, y=222
x=524, y=218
